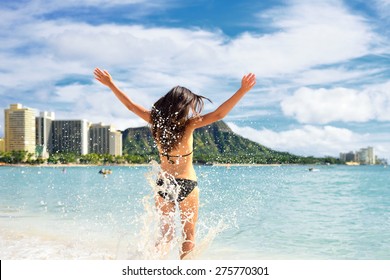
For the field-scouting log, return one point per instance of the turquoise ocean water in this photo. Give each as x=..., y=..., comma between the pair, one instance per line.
x=246, y=212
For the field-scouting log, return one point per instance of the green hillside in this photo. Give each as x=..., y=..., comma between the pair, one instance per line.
x=216, y=143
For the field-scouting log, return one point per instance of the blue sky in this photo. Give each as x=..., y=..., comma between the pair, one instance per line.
x=322, y=66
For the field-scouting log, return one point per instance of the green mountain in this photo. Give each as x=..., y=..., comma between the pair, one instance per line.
x=215, y=143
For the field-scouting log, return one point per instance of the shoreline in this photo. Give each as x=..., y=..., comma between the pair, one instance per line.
x=195, y=164
x=149, y=164
x=72, y=165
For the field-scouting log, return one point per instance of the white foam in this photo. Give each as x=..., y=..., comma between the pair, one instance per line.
x=152, y=245
x=18, y=246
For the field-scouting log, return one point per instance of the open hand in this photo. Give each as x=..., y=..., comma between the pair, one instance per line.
x=103, y=76
x=248, y=82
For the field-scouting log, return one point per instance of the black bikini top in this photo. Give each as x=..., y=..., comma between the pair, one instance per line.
x=170, y=156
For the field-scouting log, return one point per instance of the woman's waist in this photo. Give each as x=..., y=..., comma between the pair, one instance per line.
x=187, y=172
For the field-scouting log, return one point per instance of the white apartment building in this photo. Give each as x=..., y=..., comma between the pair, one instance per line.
x=366, y=156
x=43, y=126
x=104, y=139
x=116, y=143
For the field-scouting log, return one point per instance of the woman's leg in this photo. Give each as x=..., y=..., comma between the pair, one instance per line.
x=166, y=210
x=189, y=216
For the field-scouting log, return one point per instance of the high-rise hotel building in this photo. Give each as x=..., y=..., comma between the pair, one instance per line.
x=104, y=139
x=70, y=136
x=44, y=139
x=19, y=129
x=364, y=156
x=115, y=143
x=2, y=145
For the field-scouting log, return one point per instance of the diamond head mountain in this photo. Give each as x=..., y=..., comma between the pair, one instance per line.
x=215, y=143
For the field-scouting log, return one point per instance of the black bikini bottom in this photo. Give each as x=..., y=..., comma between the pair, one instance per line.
x=177, y=187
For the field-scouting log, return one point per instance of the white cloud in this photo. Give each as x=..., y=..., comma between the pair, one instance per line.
x=323, y=106
x=312, y=33
x=38, y=55
x=319, y=141
x=309, y=35
x=331, y=75
x=96, y=104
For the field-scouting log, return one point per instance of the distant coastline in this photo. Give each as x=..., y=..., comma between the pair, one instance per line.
x=215, y=144
x=71, y=165
x=227, y=165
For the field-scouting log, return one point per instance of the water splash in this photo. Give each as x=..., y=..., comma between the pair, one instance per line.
x=161, y=233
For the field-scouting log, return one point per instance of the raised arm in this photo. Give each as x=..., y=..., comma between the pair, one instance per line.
x=247, y=83
x=105, y=78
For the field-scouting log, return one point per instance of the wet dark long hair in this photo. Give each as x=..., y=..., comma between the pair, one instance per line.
x=170, y=115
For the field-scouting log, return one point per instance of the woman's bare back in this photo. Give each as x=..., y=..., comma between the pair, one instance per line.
x=178, y=162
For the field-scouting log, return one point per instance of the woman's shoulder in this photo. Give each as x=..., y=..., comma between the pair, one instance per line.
x=192, y=122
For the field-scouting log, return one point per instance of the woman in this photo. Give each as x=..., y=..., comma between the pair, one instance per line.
x=173, y=119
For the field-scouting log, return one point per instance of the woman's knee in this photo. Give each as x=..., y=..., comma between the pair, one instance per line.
x=189, y=231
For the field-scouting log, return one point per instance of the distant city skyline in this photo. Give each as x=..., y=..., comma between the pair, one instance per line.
x=42, y=134
x=95, y=130
x=363, y=156
x=322, y=67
